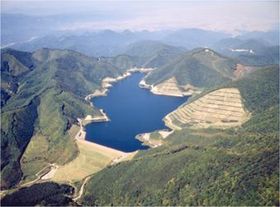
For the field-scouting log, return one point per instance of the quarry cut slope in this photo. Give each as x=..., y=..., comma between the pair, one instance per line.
x=168, y=87
x=221, y=108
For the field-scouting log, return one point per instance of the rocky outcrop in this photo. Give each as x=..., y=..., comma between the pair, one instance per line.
x=221, y=108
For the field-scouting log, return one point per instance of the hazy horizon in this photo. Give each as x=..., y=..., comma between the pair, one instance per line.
x=226, y=16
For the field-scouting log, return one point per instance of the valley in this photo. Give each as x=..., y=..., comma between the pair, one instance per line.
x=96, y=130
x=139, y=103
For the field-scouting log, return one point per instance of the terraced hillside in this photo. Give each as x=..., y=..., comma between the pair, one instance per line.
x=169, y=87
x=220, y=108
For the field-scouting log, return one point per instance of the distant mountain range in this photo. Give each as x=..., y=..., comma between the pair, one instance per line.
x=251, y=48
x=111, y=43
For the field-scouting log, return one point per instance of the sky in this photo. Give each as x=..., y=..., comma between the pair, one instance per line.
x=219, y=15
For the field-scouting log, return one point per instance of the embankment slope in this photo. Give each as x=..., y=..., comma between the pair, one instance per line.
x=220, y=108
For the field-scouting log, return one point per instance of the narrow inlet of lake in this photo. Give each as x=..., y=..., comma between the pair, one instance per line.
x=132, y=110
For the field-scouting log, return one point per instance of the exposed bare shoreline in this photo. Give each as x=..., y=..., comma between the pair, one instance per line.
x=147, y=140
x=187, y=90
x=107, y=82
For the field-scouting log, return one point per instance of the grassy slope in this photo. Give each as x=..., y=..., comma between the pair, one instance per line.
x=47, y=101
x=205, y=167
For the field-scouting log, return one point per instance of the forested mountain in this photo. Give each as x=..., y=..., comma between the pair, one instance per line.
x=200, y=68
x=43, y=95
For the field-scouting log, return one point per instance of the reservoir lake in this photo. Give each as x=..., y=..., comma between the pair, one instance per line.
x=132, y=110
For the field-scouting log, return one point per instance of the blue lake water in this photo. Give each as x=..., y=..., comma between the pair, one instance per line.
x=132, y=111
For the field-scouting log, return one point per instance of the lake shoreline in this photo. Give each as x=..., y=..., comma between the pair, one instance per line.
x=183, y=92
x=148, y=140
x=106, y=84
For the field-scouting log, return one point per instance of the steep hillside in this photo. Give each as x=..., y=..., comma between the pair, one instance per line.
x=226, y=106
x=205, y=166
x=14, y=65
x=221, y=108
x=199, y=68
x=50, y=86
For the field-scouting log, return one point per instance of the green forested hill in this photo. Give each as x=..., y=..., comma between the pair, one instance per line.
x=14, y=65
x=46, y=91
x=201, y=68
x=205, y=166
